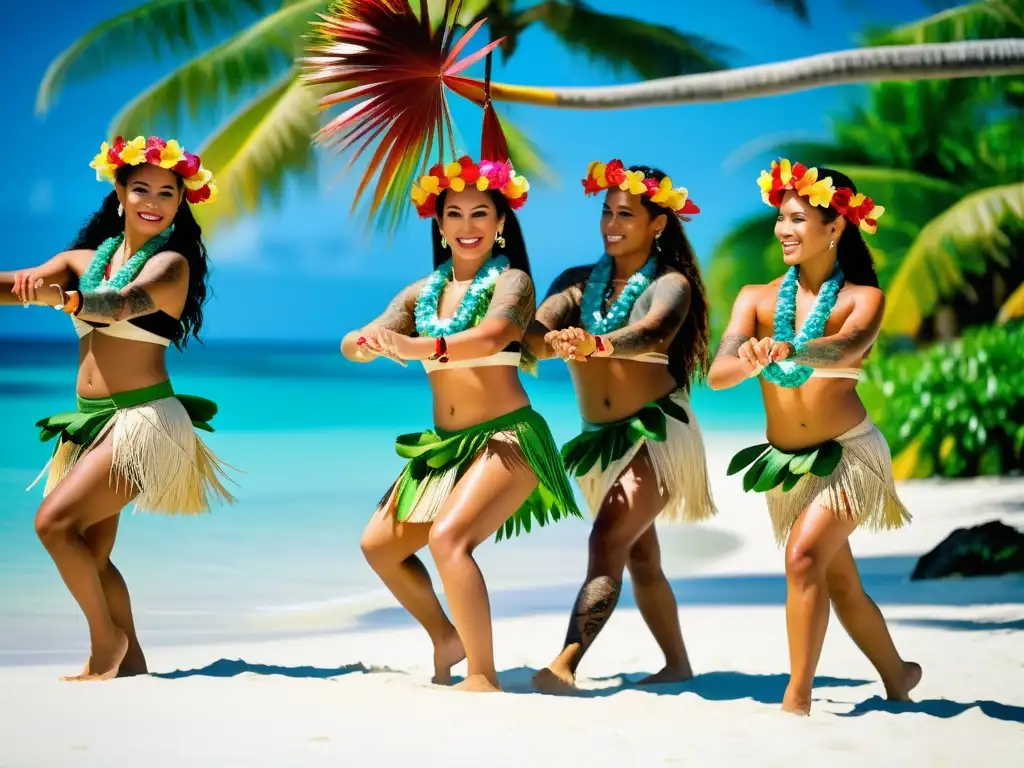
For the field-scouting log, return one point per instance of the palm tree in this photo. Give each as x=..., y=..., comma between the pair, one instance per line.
x=947, y=158
x=268, y=138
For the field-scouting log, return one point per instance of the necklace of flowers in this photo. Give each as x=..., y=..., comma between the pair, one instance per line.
x=788, y=373
x=427, y=321
x=93, y=277
x=594, y=320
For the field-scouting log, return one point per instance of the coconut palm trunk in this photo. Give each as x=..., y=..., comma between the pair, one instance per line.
x=974, y=58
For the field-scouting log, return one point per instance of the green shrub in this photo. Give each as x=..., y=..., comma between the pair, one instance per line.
x=954, y=409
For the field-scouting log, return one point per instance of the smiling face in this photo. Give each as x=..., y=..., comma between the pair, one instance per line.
x=150, y=197
x=803, y=230
x=626, y=226
x=470, y=222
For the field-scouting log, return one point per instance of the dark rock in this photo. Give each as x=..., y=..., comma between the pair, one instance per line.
x=992, y=549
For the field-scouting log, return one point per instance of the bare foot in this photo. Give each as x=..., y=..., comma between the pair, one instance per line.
x=478, y=684
x=554, y=680
x=796, y=704
x=911, y=677
x=447, y=655
x=134, y=663
x=668, y=675
x=104, y=663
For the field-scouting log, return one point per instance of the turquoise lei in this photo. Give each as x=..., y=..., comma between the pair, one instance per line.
x=594, y=320
x=788, y=373
x=427, y=321
x=93, y=277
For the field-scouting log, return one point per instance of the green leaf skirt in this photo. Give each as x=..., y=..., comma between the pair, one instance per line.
x=156, y=450
x=437, y=458
x=850, y=475
x=599, y=455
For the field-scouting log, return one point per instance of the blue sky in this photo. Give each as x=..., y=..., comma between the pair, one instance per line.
x=313, y=271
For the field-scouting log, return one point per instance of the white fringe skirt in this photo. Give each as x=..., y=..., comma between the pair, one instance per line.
x=156, y=450
x=672, y=436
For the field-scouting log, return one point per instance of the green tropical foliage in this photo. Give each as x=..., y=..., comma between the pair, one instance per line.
x=268, y=138
x=955, y=409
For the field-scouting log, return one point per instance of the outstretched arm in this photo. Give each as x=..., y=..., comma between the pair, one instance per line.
x=556, y=311
x=32, y=286
x=162, y=285
x=669, y=304
x=734, y=361
x=858, y=333
x=398, y=318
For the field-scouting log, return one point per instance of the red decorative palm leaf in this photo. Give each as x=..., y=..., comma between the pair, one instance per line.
x=396, y=64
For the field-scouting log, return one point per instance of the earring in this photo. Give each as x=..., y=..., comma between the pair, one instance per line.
x=499, y=239
x=120, y=209
x=831, y=244
x=444, y=243
x=657, y=239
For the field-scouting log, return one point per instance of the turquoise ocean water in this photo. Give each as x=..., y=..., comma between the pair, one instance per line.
x=314, y=438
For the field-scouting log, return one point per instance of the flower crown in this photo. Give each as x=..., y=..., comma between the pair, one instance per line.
x=859, y=209
x=488, y=175
x=614, y=174
x=199, y=186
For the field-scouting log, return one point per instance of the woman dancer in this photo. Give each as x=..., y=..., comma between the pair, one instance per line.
x=490, y=464
x=826, y=468
x=634, y=330
x=133, y=282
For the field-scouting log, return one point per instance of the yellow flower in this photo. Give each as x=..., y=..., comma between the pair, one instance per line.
x=876, y=214
x=171, y=155
x=820, y=193
x=634, y=183
x=213, y=193
x=483, y=183
x=457, y=184
x=199, y=180
x=598, y=173
x=134, y=151
x=104, y=168
x=516, y=187
x=809, y=179
x=452, y=170
x=664, y=190
x=418, y=194
x=785, y=171
x=430, y=184
x=764, y=181
x=857, y=200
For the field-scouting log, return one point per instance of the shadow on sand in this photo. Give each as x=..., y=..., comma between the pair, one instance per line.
x=942, y=708
x=234, y=667
x=710, y=686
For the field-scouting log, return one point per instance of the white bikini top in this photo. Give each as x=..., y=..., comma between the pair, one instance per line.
x=500, y=358
x=837, y=373
x=122, y=329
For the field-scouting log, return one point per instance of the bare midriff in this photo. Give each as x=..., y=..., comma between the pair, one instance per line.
x=464, y=397
x=610, y=389
x=110, y=365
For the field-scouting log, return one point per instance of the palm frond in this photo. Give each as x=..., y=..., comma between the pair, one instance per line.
x=396, y=65
x=253, y=153
x=1013, y=307
x=254, y=56
x=623, y=43
x=977, y=229
x=797, y=7
x=145, y=31
x=982, y=20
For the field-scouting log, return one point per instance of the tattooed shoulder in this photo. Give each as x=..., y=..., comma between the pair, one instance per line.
x=515, y=298
x=570, y=280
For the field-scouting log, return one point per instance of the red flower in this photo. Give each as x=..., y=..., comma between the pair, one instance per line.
x=799, y=169
x=470, y=170
x=114, y=153
x=689, y=207
x=615, y=173
x=427, y=210
x=841, y=199
x=519, y=202
x=590, y=186
x=198, y=195
x=188, y=167
x=652, y=186
x=437, y=170
x=155, y=142
x=153, y=155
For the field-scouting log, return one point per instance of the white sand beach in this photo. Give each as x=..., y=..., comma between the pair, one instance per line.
x=340, y=699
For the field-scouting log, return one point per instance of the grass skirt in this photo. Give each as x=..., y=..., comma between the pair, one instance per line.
x=438, y=458
x=156, y=449
x=601, y=453
x=851, y=476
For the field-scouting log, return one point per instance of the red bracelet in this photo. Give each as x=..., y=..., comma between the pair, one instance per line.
x=440, y=350
x=600, y=343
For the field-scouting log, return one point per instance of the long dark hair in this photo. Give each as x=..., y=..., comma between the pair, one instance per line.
x=852, y=252
x=515, y=246
x=187, y=239
x=689, y=353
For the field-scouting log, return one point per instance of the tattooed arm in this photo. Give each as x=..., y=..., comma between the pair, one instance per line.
x=667, y=302
x=848, y=347
x=397, y=318
x=734, y=361
x=559, y=309
x=162, y=285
